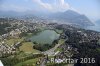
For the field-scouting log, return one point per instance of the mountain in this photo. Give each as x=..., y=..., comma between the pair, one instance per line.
x=10, y=14
x=71, y=17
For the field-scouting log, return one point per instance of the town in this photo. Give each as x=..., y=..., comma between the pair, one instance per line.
x=16, y=48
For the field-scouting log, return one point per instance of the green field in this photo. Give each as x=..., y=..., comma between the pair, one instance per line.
x=13, y=41
x=61, y=41
x=28, y=48
x=31, y=62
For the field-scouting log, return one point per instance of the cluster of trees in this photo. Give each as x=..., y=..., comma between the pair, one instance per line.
x=13, y=61
x=23, y=34
x=26, y=34
x=87, y=49
x=2, y=28
x=44, y=47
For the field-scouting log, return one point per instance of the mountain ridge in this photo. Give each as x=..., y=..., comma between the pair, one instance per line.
x=72, y=17
x=68, y=16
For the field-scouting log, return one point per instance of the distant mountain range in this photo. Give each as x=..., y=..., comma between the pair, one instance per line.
x=68, y=16
x=71, y=17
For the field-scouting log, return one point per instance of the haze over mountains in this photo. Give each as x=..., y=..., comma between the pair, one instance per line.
x=73, y=17
x=68, y=17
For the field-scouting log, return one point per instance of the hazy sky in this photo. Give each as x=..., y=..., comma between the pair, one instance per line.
x=88, y=7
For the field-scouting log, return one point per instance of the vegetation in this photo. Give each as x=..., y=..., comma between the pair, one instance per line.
x=59, y=31
x=31, y=62
x=11, y=61
x=44, y=47
x=28, y=47
x=14, y=40
x=61, y=41
x=87, y=49
x=29, y=53
x=2, y=28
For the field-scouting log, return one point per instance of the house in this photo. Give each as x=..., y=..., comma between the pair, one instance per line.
x=15, y=33
x=1, y=64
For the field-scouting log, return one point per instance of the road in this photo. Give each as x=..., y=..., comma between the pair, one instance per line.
x=51, y=52
x=43, y=62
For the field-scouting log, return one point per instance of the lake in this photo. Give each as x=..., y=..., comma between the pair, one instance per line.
x=45, y=37
x=95, y=28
